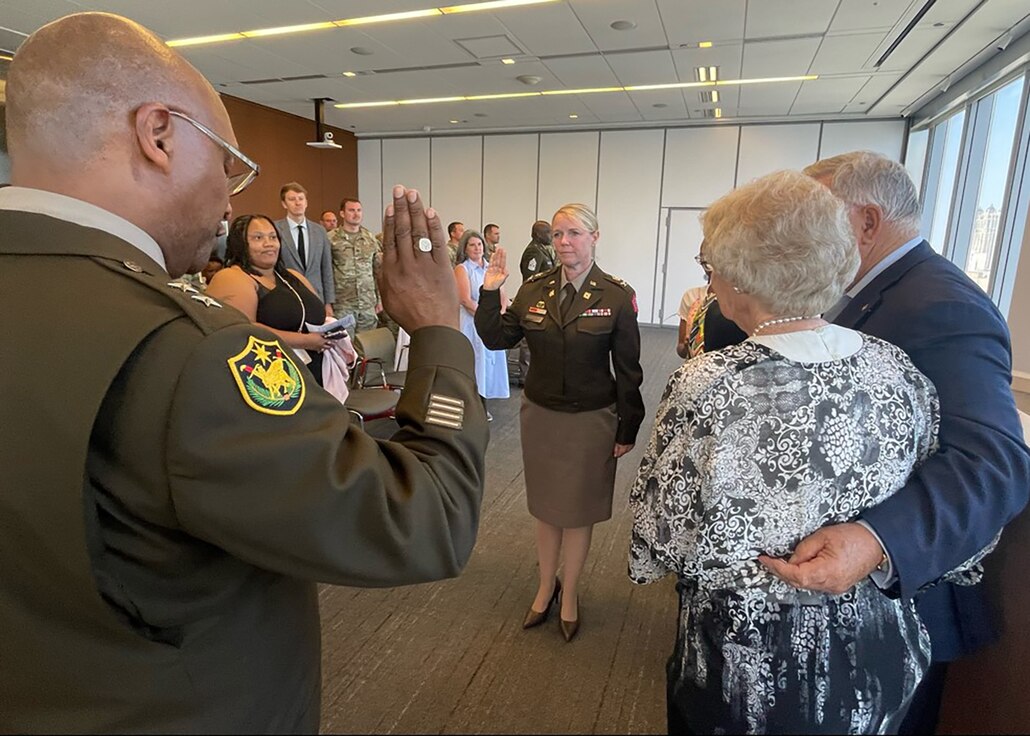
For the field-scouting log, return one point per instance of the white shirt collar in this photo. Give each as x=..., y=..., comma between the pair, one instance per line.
x=294, y=225
x=75, y=211
x=889, y=260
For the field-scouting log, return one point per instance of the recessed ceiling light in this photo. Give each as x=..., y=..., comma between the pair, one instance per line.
x=350, y=74
x=361, y=51
x=573, y=116
x=454, y=122
x=705, y=45
x=508, y=61
x=529, y=79
x=623, y=25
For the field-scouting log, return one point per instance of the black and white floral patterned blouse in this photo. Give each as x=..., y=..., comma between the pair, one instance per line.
x=751, y=452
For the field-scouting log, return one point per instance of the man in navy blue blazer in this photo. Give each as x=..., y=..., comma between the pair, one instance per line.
x=955, y=504
x=305, y=245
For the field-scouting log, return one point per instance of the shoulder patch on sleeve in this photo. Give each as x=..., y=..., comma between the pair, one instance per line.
x=268, y=379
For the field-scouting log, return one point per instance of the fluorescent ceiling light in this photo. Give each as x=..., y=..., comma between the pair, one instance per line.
x=588, y=91
x=715, y=95
x=287, y=29
x=713, y=73
x=701, y=73
x=350, y=74
x=705, y=45
x=346, y=22
x=769, y=80
x=554, y=92
x=573, y=116
x=718, y=112
x=386, y=17
x=492, y=5
x=198, y=40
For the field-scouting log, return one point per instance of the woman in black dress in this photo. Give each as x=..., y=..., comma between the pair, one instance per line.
x=257, y=283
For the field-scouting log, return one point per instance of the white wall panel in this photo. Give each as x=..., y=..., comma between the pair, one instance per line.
x=457, y=179
x=628, y=195
x=882, y=136
x=370, y=183
x=768, y=148
x=509, y=193
x=568, y=171
x=700, y=164
x=682, y=272
x=406, y=161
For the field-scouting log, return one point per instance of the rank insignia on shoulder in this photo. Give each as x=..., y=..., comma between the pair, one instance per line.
x=532, y=264
x=445, y=411
x=205, y=300
x=183, y=287
x=268, y=379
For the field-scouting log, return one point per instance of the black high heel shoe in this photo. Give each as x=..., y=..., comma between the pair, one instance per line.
x=569, y=629
x=535, y=618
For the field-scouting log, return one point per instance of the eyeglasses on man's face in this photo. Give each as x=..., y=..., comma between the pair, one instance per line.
x=235, y=182
x=705, y=266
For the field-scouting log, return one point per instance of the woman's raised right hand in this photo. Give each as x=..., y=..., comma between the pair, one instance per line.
x=497, y=271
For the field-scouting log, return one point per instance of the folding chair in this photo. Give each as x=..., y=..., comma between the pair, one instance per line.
x=376, y=349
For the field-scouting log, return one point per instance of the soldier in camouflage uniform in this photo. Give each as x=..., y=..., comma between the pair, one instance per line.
x=354, y=249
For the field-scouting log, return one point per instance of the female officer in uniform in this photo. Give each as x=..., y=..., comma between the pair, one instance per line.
x=577, y=418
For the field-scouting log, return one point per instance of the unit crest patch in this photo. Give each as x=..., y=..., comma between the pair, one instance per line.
x=268, y=379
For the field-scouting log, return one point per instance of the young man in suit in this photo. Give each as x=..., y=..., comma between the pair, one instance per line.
x=305, y=245
x=957, y=502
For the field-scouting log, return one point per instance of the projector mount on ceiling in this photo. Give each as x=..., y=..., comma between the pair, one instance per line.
x=323, y=138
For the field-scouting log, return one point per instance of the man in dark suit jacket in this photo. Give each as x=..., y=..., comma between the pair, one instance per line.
x=316, y=262
x=956, y=503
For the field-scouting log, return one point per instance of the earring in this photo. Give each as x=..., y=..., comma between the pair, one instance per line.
x=737, y=291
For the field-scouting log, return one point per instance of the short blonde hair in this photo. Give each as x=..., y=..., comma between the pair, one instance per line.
x=785, y=239
x=579, y=212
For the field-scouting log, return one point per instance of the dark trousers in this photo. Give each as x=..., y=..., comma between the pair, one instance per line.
x=926, y=702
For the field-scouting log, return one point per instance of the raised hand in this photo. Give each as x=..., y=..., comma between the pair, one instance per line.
x=416, y=287
x=497, y=271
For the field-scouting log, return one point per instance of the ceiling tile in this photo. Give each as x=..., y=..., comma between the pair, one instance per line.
x=644, y=67
x=842, y=54
x=828, y=96
x=767, y=99
x=578, y=72
x=788, y=58
x=546, y=30
x=692, y=21
x=598, y=15
x=772, y=18
x=861, y=14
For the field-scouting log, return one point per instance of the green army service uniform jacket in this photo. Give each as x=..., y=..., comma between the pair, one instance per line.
x=569, y=370
x=356, y=290
x=165, y=514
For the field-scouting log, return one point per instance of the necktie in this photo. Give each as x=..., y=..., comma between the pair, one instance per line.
x=568, y=297
x=300, y=247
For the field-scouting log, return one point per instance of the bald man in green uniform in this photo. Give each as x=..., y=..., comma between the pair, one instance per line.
x=174, y=480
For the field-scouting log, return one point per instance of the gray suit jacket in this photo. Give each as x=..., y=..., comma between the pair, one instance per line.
x=320, y=257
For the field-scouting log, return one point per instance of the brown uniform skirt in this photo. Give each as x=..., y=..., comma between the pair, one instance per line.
x=570, y=471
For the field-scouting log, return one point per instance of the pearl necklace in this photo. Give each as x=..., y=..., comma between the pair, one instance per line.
x=780, y=321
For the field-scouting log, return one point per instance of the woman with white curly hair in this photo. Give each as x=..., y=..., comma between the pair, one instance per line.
x=756, y=446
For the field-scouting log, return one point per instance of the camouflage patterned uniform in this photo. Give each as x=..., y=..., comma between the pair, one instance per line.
x=356, y=291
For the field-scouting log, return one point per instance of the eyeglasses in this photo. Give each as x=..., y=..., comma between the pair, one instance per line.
x=235, y=182
x=705, y=266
